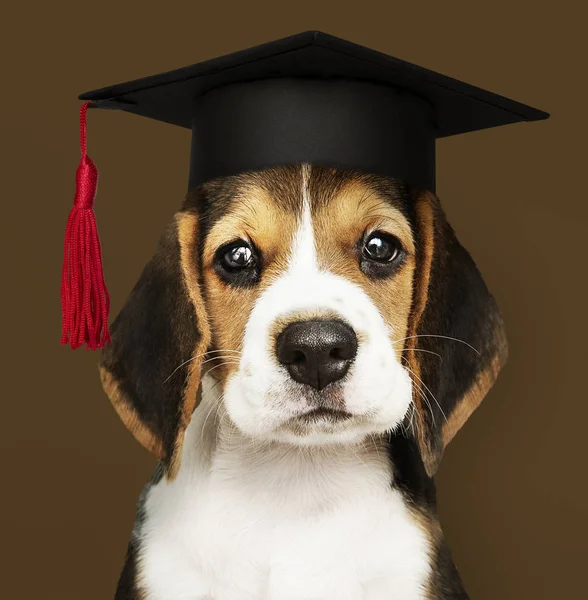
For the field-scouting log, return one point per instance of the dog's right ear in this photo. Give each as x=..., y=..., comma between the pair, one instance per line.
x=162, y=325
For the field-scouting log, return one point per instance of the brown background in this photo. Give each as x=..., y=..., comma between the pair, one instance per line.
x=512, y=487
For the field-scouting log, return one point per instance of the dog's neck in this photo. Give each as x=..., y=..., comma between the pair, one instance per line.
x=305, y=478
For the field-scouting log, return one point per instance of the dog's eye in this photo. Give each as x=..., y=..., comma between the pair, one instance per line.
x=238, y=263
x=382, y=247
x=237, y=257
x=381, y=254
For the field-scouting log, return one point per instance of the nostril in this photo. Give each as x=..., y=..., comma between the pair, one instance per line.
x=290, y=356
x=345, y=347
x=339, y=354
x=298, y=357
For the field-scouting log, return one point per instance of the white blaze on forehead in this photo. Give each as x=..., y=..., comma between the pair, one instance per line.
x=303, y=257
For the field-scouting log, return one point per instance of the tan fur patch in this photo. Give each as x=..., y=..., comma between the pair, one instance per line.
x=128, y=415
x=187, y=224
x=424, y=217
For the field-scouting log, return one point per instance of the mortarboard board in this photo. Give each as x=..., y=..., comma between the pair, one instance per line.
x=313, y=98
x=308, y=98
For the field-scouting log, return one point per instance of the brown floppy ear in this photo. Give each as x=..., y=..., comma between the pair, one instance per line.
x=161, y=326
x=451, y=303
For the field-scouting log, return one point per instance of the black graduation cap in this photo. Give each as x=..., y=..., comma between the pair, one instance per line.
x=313, y=98
x=308, y=98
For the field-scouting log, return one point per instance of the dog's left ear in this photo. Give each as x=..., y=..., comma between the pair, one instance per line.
x=456, y=344
x=151, y=372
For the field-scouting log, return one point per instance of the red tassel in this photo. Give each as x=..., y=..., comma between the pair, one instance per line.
x=85, y=302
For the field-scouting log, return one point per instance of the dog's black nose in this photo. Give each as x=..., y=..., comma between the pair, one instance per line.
x=317, y=352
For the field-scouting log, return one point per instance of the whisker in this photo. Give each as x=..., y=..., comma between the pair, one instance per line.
x=423, y=395
x=356, y=455
x=222, y=365
x=214, y=405
x=413, y=423
x=427, y=351
x=427, y=402
x=405, y=423
x=375, y=442
x=219, y=358
x=178, y=368
x=428, y=390
x=195, y=357
x=445, y=337
x=219, y=415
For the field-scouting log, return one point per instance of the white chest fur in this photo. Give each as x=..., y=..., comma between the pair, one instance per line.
x=267, y=522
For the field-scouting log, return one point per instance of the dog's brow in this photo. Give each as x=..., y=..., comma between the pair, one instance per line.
x=356, y=206
x=255, y=216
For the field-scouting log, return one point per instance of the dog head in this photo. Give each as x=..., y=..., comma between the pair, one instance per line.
x=329, y=305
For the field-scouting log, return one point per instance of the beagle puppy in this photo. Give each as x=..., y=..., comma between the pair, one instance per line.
x=298, y=353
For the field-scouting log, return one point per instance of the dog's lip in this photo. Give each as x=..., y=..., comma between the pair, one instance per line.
x=326, y=412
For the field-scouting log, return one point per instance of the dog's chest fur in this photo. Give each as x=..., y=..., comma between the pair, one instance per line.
x=259, y=522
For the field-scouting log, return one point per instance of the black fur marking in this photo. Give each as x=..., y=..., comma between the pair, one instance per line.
x=410, y=476
x=127, y=587
x=446, y=583
x=325, y=183
x=154, y=333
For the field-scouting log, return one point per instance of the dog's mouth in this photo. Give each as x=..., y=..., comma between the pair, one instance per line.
x=323, y=409
x=324, y=421
x=322, y=413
